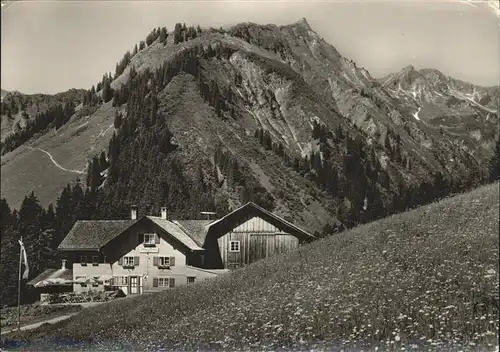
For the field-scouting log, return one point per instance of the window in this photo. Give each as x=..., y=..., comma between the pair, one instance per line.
x=94, y=282
x=234, y=246
x=83, y=260
x=128, y=261
x=190, y=280
x=149, y=240
x=95, y=260
x=163, y=261
x=163, y=282
x=120, y=280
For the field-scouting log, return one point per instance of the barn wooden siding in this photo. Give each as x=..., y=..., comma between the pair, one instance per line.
x=258, y=239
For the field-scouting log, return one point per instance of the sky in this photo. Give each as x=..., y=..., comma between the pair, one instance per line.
x=52, y=46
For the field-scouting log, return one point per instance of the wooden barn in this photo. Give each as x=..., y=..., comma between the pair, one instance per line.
x=248, y=234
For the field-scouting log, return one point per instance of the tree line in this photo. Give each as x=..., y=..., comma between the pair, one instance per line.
x=41, y=229
x=366, y=198
x=56, y=116
x=241, y=178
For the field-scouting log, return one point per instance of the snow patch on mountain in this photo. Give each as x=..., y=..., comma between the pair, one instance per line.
x=415, y=115
x=470, y=98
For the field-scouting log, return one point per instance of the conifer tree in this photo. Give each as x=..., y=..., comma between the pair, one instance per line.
x=163, y=35
x=9, y=253
x=495, y=161
x=107, y=91
x=103, y=162
x=177, y=33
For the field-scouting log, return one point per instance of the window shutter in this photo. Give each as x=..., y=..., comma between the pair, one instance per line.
x=172, y=282
x=120, y=261
x=155, y=282
x=172, y=261
x=141, y=238
x=136, y=261
x=157, y=238
x=155, y=261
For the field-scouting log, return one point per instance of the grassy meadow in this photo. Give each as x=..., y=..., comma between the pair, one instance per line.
x=422, y=280
x=31, y=314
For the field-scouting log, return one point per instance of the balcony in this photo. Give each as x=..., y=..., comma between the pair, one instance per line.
x=149, y=248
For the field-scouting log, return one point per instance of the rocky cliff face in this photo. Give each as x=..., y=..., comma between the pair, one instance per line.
x=294, y=114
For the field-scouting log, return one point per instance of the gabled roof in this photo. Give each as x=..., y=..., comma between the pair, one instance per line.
x=93, y=234
x=196, y=229
x=232, y=220
x=175, y=231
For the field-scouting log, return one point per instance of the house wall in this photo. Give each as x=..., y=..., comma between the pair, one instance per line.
x=258, y=239
x=181, y=276
x=75, y=257
x=90, y=271
x=145, y=271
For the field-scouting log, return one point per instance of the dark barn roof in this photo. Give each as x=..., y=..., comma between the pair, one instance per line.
x=93, y=234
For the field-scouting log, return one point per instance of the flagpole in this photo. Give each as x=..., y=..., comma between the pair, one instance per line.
x=19, y=287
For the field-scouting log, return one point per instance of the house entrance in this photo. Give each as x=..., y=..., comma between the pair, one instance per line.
x=133, y=285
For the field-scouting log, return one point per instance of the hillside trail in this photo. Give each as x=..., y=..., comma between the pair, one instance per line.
x=56, y=163
x=54, y=319
x=36, y=325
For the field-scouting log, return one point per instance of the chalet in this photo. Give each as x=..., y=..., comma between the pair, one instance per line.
x=154, y=253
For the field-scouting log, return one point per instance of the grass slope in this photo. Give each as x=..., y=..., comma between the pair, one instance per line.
x=31, y=314
x=25, y=170
x=426, y=279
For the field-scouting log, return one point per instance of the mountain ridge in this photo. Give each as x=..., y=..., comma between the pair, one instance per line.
x=284, y=81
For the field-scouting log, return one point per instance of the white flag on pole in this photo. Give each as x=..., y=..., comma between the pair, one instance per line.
x=24, y=261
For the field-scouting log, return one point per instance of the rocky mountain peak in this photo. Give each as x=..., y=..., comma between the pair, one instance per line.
x=408, y=69
x=303, y=22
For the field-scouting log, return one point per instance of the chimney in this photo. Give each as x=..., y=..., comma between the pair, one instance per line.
x=63, y=265
x=133, y=212
x=164, y=213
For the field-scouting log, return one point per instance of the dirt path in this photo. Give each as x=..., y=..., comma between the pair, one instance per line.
x=52, y=320
x=36, y=325
x=56, y=163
